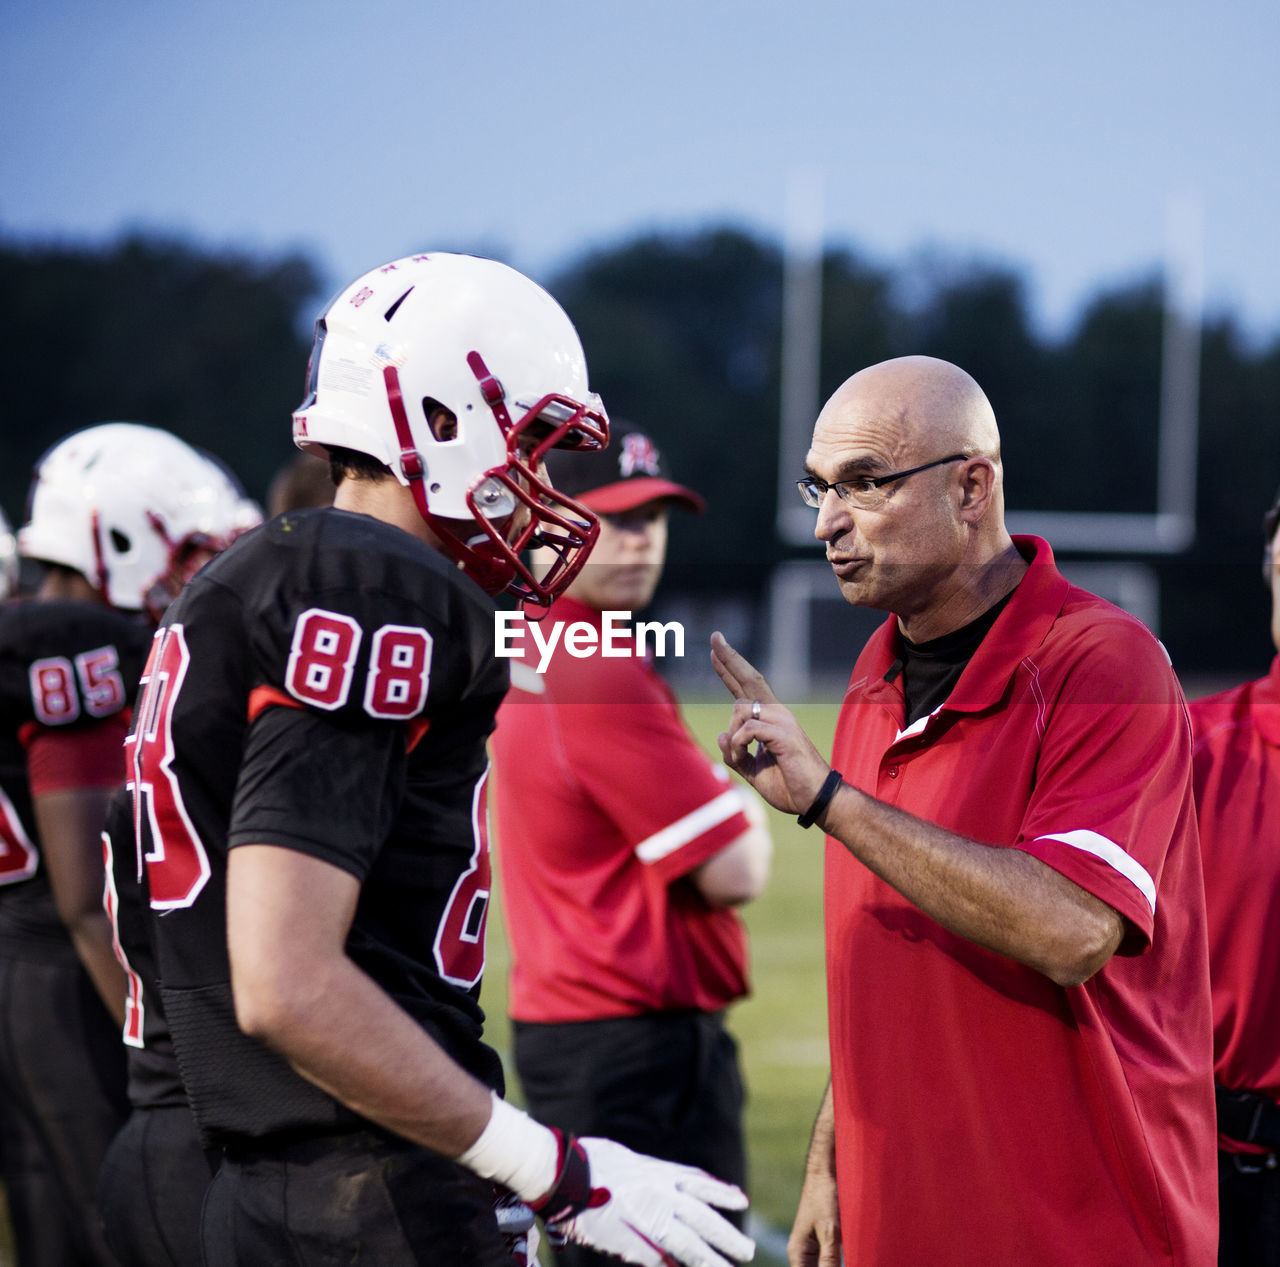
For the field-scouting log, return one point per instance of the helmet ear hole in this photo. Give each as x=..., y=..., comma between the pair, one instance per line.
x=120, y=542
x=441, y=420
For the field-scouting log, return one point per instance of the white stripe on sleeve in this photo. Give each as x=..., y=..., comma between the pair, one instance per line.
x=688, y=828
x=1113, y=856
x=523, y=678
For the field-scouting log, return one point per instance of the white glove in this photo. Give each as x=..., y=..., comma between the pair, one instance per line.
x=651, y=1212
x=602, y=1195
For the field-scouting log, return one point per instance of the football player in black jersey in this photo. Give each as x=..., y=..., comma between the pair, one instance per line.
x=308, y=773
x=119, y=515
x=156, y=1170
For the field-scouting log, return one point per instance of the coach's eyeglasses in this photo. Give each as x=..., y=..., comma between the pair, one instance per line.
x=867, y=491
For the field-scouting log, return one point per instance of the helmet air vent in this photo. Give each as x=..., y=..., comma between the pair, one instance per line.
x=391, y=312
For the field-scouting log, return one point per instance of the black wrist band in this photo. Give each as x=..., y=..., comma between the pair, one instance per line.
x=823, y=799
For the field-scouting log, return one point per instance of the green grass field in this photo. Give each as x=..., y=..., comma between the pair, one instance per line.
x=782, y=1028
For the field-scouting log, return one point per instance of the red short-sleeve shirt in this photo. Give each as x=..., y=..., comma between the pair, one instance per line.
x=603, y=802
x=1237, y=781
x=983, y=1113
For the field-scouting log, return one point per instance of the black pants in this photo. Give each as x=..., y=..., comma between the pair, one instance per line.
x=663, y=1083
x=1249, y=1211
x=341, y=1199
x=152, y=1188
x=62, y=1100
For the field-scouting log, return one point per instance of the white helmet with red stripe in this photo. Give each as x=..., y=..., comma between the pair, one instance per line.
x=499, y=353
x=133, y=509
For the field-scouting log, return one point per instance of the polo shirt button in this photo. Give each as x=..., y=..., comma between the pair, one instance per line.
x=893, y=771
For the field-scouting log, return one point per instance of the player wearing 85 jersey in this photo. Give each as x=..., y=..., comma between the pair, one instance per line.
x=120, y=514
x=308, y=770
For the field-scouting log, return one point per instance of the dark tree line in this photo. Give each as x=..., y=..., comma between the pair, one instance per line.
x=212, y=347
x=683, y=334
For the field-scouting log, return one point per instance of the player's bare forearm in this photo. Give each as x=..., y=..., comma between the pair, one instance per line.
x=69, y=824
x=1002, y=899
x=92, y=939
x=296, y=989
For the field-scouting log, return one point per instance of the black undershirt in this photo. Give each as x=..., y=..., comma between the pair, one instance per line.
x=931, y=669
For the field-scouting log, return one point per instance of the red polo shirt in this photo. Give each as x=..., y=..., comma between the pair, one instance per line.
x=603, y=803
x=1237, y=781
x=984, y=1114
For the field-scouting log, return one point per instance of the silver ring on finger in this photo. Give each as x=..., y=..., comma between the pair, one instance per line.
x=755, y=710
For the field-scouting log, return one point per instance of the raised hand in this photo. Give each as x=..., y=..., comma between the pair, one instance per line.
x=785, y=768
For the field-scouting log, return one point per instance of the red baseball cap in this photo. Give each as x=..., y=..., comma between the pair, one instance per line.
x=626, y=475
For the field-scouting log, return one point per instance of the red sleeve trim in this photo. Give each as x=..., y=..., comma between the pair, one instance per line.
x=263, y=697
x=89, y=756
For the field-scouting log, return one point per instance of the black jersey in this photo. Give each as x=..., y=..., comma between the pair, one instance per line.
x=327, y=684
x=154, y=1080
x=66, y=665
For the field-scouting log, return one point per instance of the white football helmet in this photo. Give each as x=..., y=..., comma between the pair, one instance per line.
x=8, y=559
x=133, y=509
x=498, y=352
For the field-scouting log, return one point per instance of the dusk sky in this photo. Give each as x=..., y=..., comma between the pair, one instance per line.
x=1051, y=138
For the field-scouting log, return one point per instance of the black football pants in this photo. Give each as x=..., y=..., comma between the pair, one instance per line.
x=152, y=1188
x=1249, y=1211
x=362, y=1197
x=62, y=1099
x=662, y=1083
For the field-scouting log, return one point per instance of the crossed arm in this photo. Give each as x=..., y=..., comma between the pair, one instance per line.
x=739, y=872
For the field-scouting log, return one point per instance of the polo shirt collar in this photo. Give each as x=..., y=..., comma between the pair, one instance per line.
x=1019, y=630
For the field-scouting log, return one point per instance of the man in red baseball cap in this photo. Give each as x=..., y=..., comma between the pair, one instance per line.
x=628, y=487
x=623, y=851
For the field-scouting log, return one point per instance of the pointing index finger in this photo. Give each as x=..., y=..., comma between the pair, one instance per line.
x=737, y=672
